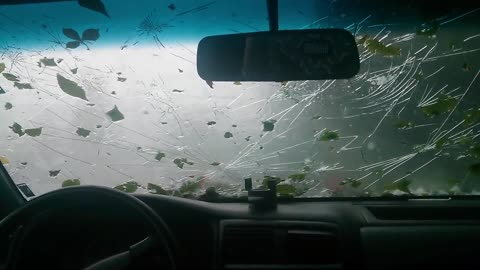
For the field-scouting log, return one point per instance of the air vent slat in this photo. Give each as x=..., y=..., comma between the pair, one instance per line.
x=268, y=244
x=312, y=247
x=244, y=244
x=424, y=213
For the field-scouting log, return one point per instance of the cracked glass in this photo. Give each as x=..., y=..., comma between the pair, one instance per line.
x=110, y=96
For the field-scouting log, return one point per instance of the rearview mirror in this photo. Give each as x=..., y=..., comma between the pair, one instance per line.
x=279, y=56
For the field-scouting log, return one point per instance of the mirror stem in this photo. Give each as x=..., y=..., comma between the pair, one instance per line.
x=272, y=7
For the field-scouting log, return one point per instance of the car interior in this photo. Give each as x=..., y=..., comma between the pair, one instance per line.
x=267, y=223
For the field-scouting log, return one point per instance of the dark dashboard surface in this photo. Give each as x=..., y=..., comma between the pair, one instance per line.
x=325, y=234
x=313, y=234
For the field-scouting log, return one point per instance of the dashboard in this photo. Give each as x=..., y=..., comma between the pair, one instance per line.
x=309, y=234
x=413, y=234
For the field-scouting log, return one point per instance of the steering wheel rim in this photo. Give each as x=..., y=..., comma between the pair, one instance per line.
x=161, y=234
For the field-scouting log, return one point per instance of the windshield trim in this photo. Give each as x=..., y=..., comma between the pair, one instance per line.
x=11, y=195
x=436, y=198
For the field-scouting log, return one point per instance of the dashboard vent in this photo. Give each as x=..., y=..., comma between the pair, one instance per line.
x=425, y=213
x=249, y=244
x=312, y=247
x=279, y=244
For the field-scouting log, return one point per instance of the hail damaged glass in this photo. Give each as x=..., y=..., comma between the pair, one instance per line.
x=108, y=94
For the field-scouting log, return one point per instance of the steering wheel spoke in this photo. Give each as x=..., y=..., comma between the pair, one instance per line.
x=124, y=259
x=118, y=261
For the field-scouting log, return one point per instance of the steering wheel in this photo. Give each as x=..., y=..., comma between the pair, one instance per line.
x=21, y=221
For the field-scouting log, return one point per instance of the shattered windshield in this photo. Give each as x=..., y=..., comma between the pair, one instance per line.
x=108, y=94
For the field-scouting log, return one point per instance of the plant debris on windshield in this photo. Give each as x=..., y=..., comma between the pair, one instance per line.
x=112, y=97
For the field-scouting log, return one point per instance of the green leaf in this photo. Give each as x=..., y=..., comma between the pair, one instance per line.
x=419, y=148
x=2, y=67
x=402, y=185
x=299, y=177
x=215, y=163
x=228, y=135
x=362, y=39
x=180, y=162
x=190, y=187
x=286, y=190
x=159, y=156
x=72, y=34
x=471, y=117
x=129, y=187
x=375, y=46
x=156, y=189
x=441, y=143
x=475, y=151
x=17, y=129
x=34, y=132
x=72, y=45
x=403, y=124
x=4, y=160
x=210, y=194
x=115, y=114
x=444, y=104
x=53, y=173
x=71, y=183
x=352, y=182
x=22, y=86
x=268, y=125
x=329, y=135
x=48, y=62
x=464, y=140
x=8, y=106
x=91, y=35
x=95, y=5
x=356, y=183
x=83, y=132
x=10, y=77
x=267, y=178
x=71, y=88
x=2, y=91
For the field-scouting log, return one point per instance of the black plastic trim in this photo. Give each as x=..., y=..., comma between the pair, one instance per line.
x=11, y=198
x=283, y=267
